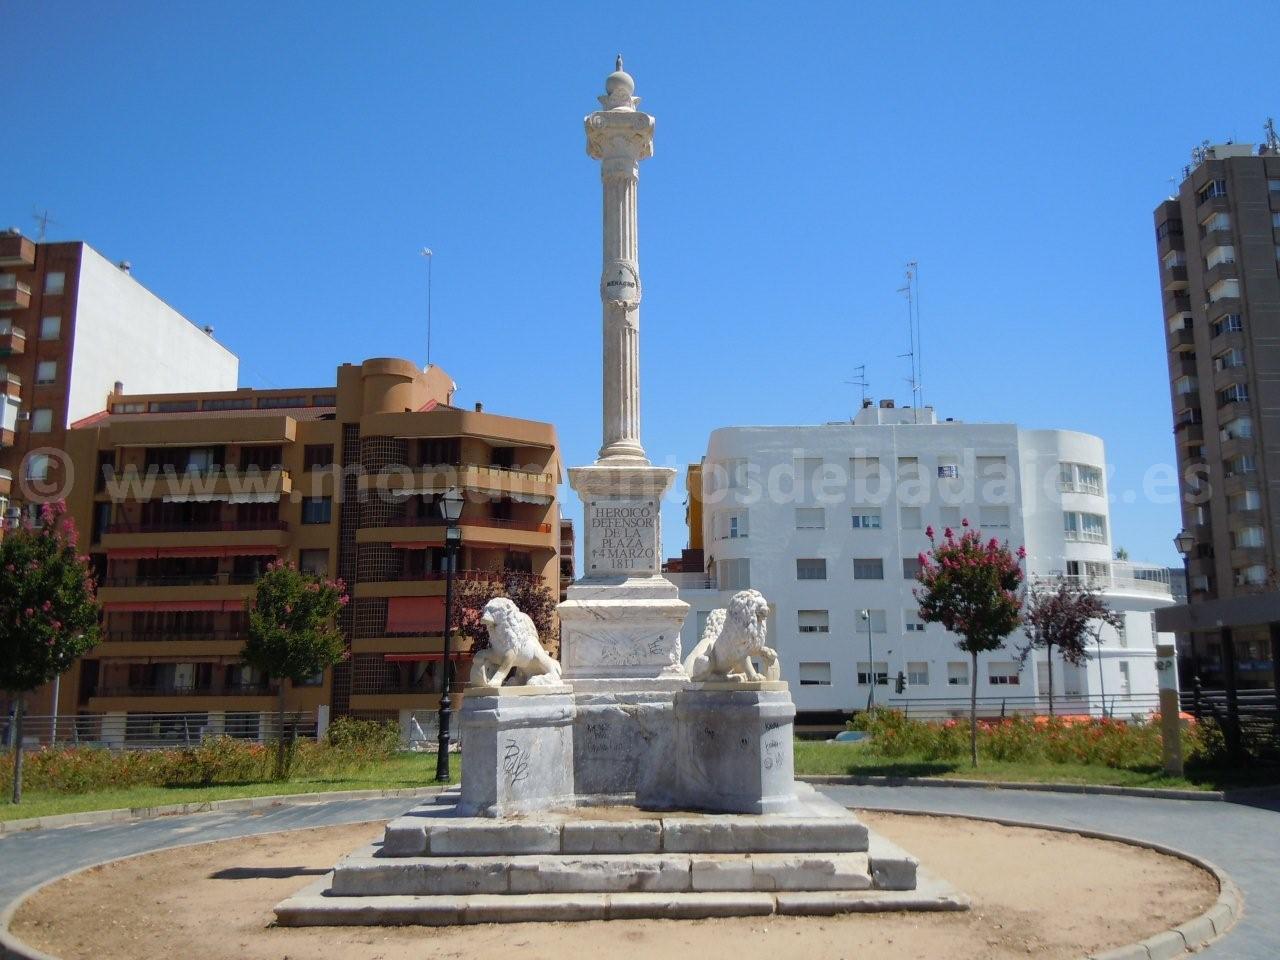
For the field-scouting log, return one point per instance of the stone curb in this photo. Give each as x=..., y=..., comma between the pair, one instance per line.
x=1151, y=793
x=1192, y=935
x=123, y=814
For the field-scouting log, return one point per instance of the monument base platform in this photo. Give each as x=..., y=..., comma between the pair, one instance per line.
x=436, y=866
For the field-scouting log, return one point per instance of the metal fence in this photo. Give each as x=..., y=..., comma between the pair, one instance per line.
x=1250, y=726
x=1121, y=706
x=141, y=731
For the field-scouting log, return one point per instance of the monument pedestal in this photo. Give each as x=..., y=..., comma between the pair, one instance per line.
x=518, y=750
x=734, y=747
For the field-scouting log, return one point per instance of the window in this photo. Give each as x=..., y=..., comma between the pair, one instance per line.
x=1084, y=526
x=879, y=667
x=317, y=456
x=958, y=673
x=909, y=518
x=1175, y=258
x=731, y=525
x=38, y=466
x=1275, y=220
x=814, y=621
x=1002, y=673
x=1169, y=228
x=1253, y=576
x=809, y=569
x=908, y=468
x=815, y=674
x=874, y=617
x=917, y=673
x=1239, y=428
x=314, y=561
x=1248, y=537
x=807, y=470
x=734, y=574
x=992, y=468
x=54, y=282
x=1229, y=360
x=228, y=403
x=735, y=474
x=864, y=468
x=866, y=518
x=1241, y=465
x=1273, y=186
x=1219, y=254
x=871, y=568
x=41, y=420
x=949, y=517
x=1214, y=188
x=811, y=518
x=910, y=567
x=1227, y=323
x=1124, y=677
x=1224, y=289
x=993, y=518
x=47, y=371
x=278, y=403
x=50, y=328
x=914, y=626
x=317, y=509
x=1185, y=385
x=1245, y=500
x=948, y=469
x=1216, y=221
x=1236, y=393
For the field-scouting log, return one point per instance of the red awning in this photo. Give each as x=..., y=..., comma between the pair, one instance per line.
x=148, y=553
x=139, y=606
x=415, y=614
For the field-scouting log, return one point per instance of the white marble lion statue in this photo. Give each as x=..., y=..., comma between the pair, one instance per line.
x=513, y=645
x=731, y=638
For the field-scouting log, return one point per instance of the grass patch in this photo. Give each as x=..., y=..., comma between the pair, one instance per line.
x=861, y=759
x=401, y=771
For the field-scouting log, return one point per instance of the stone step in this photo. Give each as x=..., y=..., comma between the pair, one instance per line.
x=311, y=907
x=363, y=876
x=426, y=833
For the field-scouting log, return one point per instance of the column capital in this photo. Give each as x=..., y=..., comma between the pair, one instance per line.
x=619, y=135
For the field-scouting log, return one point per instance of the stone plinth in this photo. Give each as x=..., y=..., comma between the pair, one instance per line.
x=518, y=754
x=623, y=743
x=734, y=747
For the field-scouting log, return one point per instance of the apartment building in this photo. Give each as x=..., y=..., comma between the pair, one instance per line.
x=187, y=496
x=1218, y=252
x=828, y=521
x=72, y=325
x=567, y=554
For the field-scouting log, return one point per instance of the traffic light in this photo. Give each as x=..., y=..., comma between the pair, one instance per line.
x=900, y=685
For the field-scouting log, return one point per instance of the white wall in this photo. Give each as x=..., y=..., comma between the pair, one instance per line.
x=773, y=543
x=125, y=332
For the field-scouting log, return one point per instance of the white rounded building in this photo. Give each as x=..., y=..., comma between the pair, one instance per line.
x=828, y=521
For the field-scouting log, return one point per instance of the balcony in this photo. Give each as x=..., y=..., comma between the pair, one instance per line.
x=10, y=384
x=1248, y=556
x=1227, y=270
x=1175, y=278
x=1182, y=340
x=470, y=476
x=1189, y=434
x=184, y=580
x=1215, y=238
x=1210, y=206
x=1244, y=518
x=1178, y=303
x=217, y=483
x=429, y=531
x=1182, y=365
x=221, y=533
x=1227, y=340
x=6, y=482
x=404, y=584
x=1230, y=449
x=16, y=251
x=13, y=340
x=14, y=294
x=168, y=690
x=1229, y=376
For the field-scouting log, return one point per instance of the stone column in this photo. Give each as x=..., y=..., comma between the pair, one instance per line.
x=619, y=136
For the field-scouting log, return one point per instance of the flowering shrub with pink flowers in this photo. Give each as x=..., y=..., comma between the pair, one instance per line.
x=48, y=610
x=349, y=745
x=1086, y=740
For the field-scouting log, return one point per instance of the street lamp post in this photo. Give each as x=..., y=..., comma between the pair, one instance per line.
x=871, y=665
x=1184, y=543
x=451, y=511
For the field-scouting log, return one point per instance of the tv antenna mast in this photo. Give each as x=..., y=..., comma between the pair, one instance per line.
x=43, y=220
x=1273, y=141
x=911, y=290
x=430, y=255
x=860, y=380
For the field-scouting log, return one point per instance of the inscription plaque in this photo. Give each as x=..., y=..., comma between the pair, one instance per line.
x=622, y=537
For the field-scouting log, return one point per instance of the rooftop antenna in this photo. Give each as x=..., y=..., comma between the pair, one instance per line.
x=911, y=291
x=1273, y=141
x=860, y=380
x=42, y=220
x=430, y=255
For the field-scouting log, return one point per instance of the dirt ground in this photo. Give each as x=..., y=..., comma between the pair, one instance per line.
x=1035, y=893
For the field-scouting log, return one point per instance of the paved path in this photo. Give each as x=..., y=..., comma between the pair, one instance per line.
x=1240, y=839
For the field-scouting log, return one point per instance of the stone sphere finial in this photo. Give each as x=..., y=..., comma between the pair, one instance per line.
x=619, y=89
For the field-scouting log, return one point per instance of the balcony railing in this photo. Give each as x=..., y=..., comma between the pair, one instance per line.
x=152, y=636
x=183, y=580
x=412, y=575
x=171, y=690
x=693, y=581
x=207, y=526
x=414, y=520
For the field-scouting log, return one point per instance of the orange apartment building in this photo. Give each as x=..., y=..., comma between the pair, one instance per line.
x=341, y=479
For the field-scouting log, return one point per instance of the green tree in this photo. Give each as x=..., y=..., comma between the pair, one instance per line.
x=292, y=633
x=1066, y=614
x=48, y=611
x=971, y=588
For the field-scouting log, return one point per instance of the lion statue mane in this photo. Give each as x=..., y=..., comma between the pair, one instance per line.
x=731, y=638
x=513, y=645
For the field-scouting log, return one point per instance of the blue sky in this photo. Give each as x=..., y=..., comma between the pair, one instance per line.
x=274, y=169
